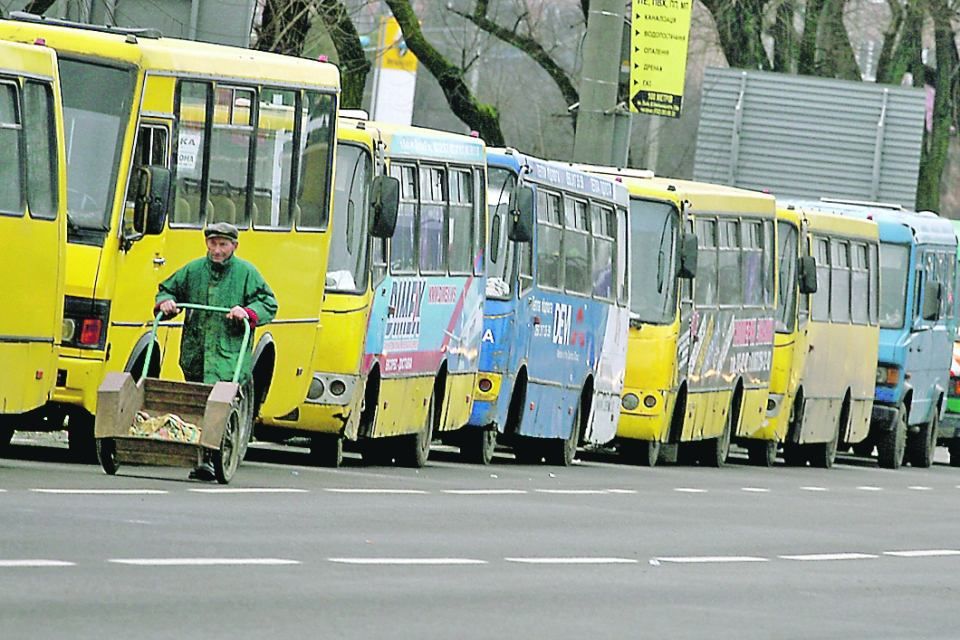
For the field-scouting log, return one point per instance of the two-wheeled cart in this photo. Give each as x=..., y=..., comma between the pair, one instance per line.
x=176, y=424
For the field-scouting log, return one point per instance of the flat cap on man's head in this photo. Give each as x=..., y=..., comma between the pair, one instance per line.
x=222, y=230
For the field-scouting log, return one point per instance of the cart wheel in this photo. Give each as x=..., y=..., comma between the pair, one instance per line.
x=226, y=459
x=107, y=454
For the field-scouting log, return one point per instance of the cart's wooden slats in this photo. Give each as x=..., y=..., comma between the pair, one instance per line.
x=156, y=452
x=193, y=391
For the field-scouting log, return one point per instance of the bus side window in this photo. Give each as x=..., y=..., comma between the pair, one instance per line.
x=404, y=241
x=874, y=268
x=729, y=266
x=230, y=146
x=705, y=285
x=378, y=260
x=753, y=263
x=821, y=299
x=191, y=202
x=840, y=281
x=769, y=263
x=604, y=226
x=859, y=287
x=549, y=239
x=479, y=221
x=461, y=230
x=576, y=247
x=433, y=206
x=623, y=265
x=11, y=188
x=42, y=157
x=312, y=207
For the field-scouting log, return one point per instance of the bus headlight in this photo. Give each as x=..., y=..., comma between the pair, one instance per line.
x=485, y=385
x=337, y=387
x=68, y=330
x=888, y=376
x=316, y=390
x=630, y=402
x=649, y=401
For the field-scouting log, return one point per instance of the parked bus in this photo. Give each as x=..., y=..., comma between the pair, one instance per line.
x=918, y=323
x=700, y=349
x=397, y=360
x=164, y=136
x=556, y=314
x=32, y=230
x=827, y=328
x=950, y=426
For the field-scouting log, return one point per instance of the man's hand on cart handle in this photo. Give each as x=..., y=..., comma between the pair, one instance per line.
x=238, y=313
x=169, y=308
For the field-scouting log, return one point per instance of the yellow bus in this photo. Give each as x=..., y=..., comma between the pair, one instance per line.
x=700, y=348
x=822, y=388
x=32, y=229
x=164, y=136
x=397, y=361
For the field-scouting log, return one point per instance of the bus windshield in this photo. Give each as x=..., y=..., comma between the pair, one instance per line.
x=347, y=269
x=653, y=237
x=500, y=186
x=894, y=268
x=786, y=300
x=96, y=108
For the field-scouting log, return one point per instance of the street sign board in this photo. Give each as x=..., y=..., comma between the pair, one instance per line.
x=658, y=59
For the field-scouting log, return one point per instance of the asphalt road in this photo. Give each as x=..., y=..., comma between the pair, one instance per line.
x=597, y=550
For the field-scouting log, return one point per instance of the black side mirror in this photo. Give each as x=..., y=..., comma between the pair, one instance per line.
x=689, y=256
x=522, y=228
x=384, y=205
x=807, y=269
x=932, y=296
x=153, y=200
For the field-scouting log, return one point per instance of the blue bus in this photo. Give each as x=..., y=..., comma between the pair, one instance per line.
x=918, y=322
x=556, y=313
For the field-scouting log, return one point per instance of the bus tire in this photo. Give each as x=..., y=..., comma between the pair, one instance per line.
x=478, y=444
x=892, y=444
x=762, y=453
x=823, y=454
x=714, y=452
x=326, y=450
x=415, y=448
x=922, y=446
x=561, y=452
x=644, y=453
x=954, y=448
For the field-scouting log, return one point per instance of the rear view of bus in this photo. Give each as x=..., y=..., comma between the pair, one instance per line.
x=397, y=357
x=32, y=230
x=918, y=323
x=555, y=323
x=821, y=390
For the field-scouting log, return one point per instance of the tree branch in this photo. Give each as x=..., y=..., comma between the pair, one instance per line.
x=354, y=65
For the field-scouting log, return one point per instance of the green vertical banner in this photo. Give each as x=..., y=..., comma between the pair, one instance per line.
x=658, y=56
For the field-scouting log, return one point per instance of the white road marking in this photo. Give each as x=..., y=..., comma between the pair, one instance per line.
x=814, y=489
x=201, y=562
x=378, y=491
x=573, y=560
x=869, y=488
x=923, y=553
x=249, y=490
x=485, y=492
x=408, y=561
x=919, y=488
x=621, y=490
x=689, y=490
x=814, y=557
x=572, y=492
x=5, y=564
x=755, y=490
x=709, y=559
x=104, y=492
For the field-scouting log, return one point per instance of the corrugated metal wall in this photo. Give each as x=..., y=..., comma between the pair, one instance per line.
x=801, y=136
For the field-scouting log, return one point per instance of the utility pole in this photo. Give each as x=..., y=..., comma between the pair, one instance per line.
x=593, y=142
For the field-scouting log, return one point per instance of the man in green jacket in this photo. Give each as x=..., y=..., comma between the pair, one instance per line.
x=211, y=344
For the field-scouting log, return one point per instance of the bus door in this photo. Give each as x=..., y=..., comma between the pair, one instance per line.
x=926, y=360
x=32, y=245
x=685, y=337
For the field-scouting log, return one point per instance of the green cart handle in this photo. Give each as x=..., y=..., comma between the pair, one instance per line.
x=199, y=307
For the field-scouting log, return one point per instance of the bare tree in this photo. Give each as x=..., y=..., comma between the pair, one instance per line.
x=354, y=65
x=38, y=7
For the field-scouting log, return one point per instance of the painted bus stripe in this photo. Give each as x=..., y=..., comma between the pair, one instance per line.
x=104, y=492
x=819, y=557
x=201, y=562
x=408, y=561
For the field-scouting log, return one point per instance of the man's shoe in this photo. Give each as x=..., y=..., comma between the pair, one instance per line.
x=203, y=472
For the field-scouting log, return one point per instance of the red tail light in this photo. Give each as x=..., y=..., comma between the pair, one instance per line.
x=90, y=331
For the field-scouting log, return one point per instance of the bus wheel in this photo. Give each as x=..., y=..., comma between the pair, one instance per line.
x=714, y=452
x=794, y=455
x=762, y=453
x=415, y=448
x=921, y=446
x=892, y=444
x=954, y=449
x=326, y=450
x=640, y=452
x=478, y=444
x=823, y=454
x=107, y=454
x=562, y=452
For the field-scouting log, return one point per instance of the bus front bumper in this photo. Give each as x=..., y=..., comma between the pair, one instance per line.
x=77, y=382
x=643, y=415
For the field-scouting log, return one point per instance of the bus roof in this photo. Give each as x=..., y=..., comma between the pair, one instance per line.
x=170, y=54
x=559, y=174
x=895, y=225
x=30, y=59
x=404, y=141
x=831, y=222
